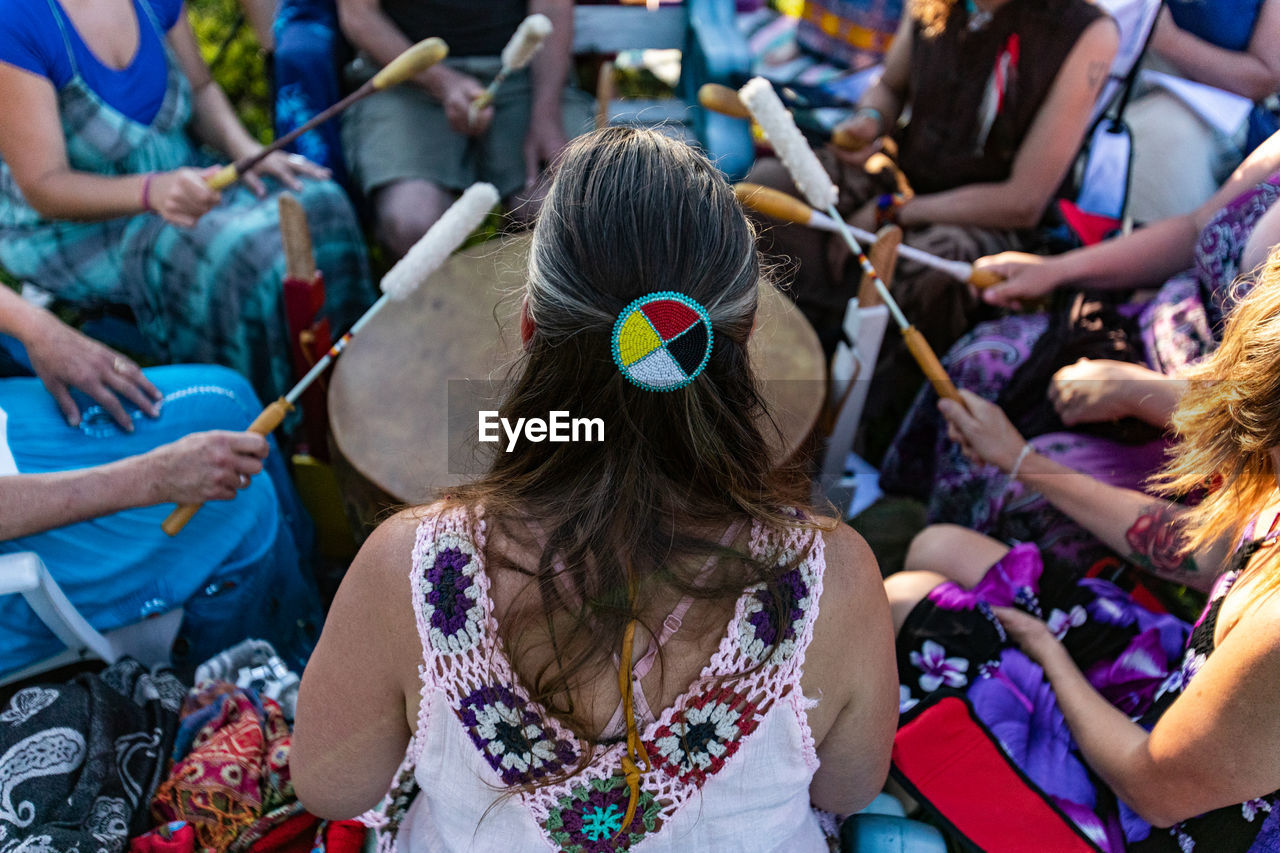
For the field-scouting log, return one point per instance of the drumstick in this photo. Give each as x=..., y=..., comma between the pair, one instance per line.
x=788, y=208
x=416, y=59
x=426, y=256
x=524, y=43
x=813, y=181
x=723, y=100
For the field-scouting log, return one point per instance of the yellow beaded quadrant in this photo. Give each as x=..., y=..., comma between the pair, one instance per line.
x=636, y=338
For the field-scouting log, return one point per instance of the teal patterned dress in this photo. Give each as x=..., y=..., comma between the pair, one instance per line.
x=211, y=293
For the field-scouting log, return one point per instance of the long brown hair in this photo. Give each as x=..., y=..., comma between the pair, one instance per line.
x=631, y=212
x=1229, y=419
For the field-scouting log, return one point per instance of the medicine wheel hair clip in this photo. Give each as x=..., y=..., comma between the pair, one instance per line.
x=662, y=341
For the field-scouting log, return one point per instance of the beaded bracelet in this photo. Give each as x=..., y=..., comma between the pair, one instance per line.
x=1017, y=465
x=874, y=113
x=146, y=192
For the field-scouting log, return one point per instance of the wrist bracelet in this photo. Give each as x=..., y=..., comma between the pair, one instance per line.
x=1017, y=465
x=887, y=207
x=146, y=192
x=875, y=114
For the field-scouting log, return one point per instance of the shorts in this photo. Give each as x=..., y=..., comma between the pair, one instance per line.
x=402, y=133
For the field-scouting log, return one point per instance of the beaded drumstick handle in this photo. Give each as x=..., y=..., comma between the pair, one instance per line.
x=788, y=208
x=524, y=43
x=813, y=181
x=416, y=59
x=426, y=256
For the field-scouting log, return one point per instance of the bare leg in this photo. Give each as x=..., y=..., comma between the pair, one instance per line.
x=953, y=552
x=905, y=590
x=405, y=210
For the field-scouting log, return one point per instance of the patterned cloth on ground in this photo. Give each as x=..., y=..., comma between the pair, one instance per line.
x=79, y=760
x=230, y=778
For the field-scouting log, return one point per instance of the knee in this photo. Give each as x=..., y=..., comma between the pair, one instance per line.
x=403, y=220
x=905, y=590
x=931, y=548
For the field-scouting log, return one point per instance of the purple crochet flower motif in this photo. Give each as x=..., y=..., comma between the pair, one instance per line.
x=765, y=634
x=589, y=818
x=511, y=736
x=938, y=669
x=451, y=596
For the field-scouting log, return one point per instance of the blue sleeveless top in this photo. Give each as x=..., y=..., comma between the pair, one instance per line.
x=32, y=38
x=1225, y=23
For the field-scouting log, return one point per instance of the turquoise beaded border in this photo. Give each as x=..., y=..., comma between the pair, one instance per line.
x=640, y=303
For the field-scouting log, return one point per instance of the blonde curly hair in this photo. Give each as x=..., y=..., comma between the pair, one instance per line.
x=1229, y=419
x=932, y=14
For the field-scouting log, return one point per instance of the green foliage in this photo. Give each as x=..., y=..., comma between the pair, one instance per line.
x=237, y=61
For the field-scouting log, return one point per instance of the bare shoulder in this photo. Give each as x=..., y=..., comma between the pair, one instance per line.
x=851, y=569
x=852, y=613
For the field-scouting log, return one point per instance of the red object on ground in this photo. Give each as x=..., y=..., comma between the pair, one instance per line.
x=957, y=768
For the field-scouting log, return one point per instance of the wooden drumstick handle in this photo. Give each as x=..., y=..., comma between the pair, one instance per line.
x=982, y=278
x=773, y=203
x=412, y=61
x=928, y=361
x=847, y=141
x=264, y=424
x=723, y=100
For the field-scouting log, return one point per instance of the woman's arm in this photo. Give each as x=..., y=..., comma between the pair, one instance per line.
x=545, y=137
x=851, y=661
x=1148, y=256
x=369, y=29
x=354, y=709
x=36, y=153
x=1253, y=73
x=1045, y=154
x=215, y=123
x=65, y=359
x=206, y=466
x=1143, y=528
x=1218, y=744
x=881, y=104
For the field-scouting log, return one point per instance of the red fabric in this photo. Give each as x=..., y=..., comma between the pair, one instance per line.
x=303, y=300
x=1089, y=227
x=181, y=840
x=295, y=835
x=957, y=767
x=344, y=836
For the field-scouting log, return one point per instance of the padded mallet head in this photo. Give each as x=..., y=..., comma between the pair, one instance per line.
x=788, y=143
x=413, y=61
x=440, y=241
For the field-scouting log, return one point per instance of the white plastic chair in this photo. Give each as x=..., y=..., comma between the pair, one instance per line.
x=865, y=322
x=148, y=641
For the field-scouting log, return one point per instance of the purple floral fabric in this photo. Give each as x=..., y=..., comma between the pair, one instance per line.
x=1179, y=326
x=1138, y=659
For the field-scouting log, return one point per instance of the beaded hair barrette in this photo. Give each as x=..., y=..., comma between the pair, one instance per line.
x=662, y=341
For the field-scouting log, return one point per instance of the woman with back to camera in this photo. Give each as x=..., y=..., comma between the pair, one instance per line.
x=647, y=637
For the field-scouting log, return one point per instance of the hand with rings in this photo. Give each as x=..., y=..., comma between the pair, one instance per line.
x=65, y=359
x=285, y=168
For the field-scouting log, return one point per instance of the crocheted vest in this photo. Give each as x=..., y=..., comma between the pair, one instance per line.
x=732, y=757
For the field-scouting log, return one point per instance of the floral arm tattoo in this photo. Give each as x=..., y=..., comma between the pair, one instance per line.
x=1158, y=544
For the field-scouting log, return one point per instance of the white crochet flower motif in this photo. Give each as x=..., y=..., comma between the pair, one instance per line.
x=452, y=607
